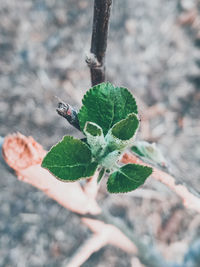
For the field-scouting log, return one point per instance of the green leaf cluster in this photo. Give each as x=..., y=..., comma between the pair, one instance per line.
x=109, y=120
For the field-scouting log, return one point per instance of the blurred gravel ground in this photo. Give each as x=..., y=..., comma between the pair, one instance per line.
x=153, y=49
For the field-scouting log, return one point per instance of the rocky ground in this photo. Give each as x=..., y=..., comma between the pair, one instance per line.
x=154, y=50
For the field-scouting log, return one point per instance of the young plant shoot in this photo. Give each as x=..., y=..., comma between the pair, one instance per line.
x=109, y=120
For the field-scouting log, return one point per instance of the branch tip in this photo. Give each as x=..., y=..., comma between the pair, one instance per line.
x=69, y=113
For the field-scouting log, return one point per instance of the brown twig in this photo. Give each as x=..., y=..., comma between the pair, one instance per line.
x=96, y=58
x=69, y=113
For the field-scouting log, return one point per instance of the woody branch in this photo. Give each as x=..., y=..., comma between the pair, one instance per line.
x=96, y=58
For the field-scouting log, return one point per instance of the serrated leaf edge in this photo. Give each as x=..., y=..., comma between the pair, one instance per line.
x=126, y=140
x=130, y=95
x=128, y=178
x=67, y=181
x=66, y=136
x=89, y=91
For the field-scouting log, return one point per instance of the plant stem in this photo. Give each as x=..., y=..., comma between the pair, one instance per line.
x=101, y=174
x=96, y=60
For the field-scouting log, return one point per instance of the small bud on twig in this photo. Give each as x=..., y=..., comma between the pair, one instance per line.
x=69, y=113
x=92, y=61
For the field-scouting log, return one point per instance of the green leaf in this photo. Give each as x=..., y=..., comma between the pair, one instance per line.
x=137, y=151
x=105, y=105
x=125, y=129
x=95, y=138
x=101, y=174
x=124, y=104
x=93, y=129
x=70, y=160
x=122, y=133
x=128, y=178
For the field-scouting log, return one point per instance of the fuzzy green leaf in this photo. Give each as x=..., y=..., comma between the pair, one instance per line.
x=93, y=129
x=128, y=178
x=95, y=138
x=122, y=133
x=125, y=129
x=70, y=160
x=105, y=105
x=150, y=152
x=109, y=161
x=136, y=150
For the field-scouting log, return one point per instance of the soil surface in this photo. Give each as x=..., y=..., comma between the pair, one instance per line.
x=154, y=50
